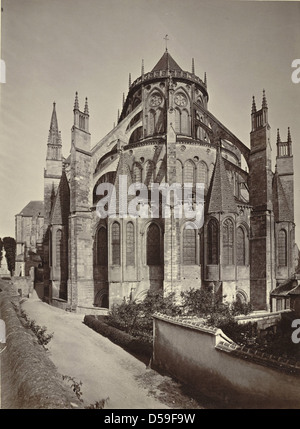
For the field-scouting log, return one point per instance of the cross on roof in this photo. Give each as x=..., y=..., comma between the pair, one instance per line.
x=166, y=39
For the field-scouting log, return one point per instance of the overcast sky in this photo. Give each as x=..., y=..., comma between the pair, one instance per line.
x=53, y=48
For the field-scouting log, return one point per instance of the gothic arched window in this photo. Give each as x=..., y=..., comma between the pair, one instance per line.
x=213, y=242
x=102, y=247
x=189, y=252
x=188, y=172
x=151, y=119
x=115, y=244
x=177, y=121
x=202, y=173
x=240, y=246
x=282, y=248
x=136, y=174
x=153, y=245
x=159, y=121
x=130, y=244
x=58, y=245
x=184, y=122
x=228, y=242
x=149, y=173
x=178, y=172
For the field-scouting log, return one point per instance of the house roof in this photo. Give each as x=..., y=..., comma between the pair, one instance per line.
x=34, y=208
x=221, y=198
x=289, y=287
x=166, y=63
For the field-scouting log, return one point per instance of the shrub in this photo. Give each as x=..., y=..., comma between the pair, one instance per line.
x=39, y=331
x=123, y=339
x=136, y=318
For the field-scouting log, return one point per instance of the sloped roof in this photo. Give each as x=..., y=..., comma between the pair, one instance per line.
x=34, y=208
x=289, y=287
x=220, y=197
x=61, y=206
x=282, y=210
x=166, y=63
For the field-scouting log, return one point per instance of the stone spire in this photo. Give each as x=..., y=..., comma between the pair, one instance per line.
x=142, y=70
x=264, y=100
x=193, y=66
x=253, y=105
x=76, y=103
x=53, y=122
x=86, y=106
x=123, y=101
x=205, y=79
x=129, y=80
x=289, y=138
x=54, y=137
x=278, y=136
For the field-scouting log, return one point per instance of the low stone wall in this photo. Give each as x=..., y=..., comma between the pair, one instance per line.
x=212, y=364
x=264, y=320
x=30, y=378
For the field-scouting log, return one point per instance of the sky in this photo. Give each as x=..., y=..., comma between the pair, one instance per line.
x=53, y=48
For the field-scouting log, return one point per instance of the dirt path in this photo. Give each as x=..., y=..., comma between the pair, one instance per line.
x=104, y=368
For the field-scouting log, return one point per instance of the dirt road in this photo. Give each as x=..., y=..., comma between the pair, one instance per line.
x=104, y=368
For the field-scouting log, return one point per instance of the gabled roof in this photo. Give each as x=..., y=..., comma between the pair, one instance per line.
x=166, y=63
x=61, y=206
x=289, y=287
x=34, y=208
x=221, y=198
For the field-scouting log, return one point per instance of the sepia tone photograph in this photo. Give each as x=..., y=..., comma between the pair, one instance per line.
x=149, y=207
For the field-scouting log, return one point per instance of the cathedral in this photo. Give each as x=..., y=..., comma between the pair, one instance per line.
x=166, y=134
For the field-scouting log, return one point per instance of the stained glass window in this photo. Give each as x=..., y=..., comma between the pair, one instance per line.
x=184, y=122
x=115, y=236
x=188, y=172
x=58, y=247
x=228, y=242
x=130, y=245
x=213, y=242
x=282, y=248
x=240, y=246
x=189, y=247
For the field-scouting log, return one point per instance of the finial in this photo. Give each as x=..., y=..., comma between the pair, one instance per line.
x=76, y=104
x=118, y=117
x=205, y=79
x=86, y=107
x=142, y=67
x=193, y=66
x=253, y=105
x=123, y=101
x=289, y=139
x=129, y=80
x=264, y=100
x=166, y=40
x=278, y=136
x=54, y=104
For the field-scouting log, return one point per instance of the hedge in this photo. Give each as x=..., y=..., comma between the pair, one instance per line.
x=122, y=339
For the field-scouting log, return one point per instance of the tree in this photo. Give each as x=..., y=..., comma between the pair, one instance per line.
x=10, y=249
x=1, y=247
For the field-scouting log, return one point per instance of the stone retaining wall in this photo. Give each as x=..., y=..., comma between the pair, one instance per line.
x=212, y=364
x=30, y=376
